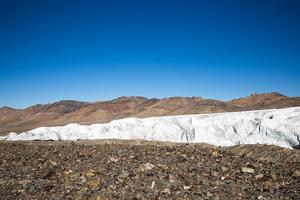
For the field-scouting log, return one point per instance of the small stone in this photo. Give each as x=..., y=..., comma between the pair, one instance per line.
x=259, y=176
x=215, y=154
x=26, y=184
x=223, y=168
x=83, y=179
x=139, y=196
x=166, y=191
x=214, y=173
x=149, y=173
x=146, y=167
x=114, y=159
x=260, y=197
x=204, y=181
x=209, y=194
x=112, y=187
x=296, y=173
x=122, y=176
x=172, y=179
x=153, y=184
x=53, y=163
x=68, y=172
x=165, y=167
x=20, y=191
x=22, y=182
x=248, y=170
x=94, y=184
x=186, y=187
x=90, y=173
x=222, y=178
x=191, y=168
x=274, y=175
x=49, y=173
x=268, y=184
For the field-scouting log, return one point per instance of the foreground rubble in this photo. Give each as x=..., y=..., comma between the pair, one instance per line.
x=146, y=170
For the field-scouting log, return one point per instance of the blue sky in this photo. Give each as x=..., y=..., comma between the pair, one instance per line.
x=97, y=50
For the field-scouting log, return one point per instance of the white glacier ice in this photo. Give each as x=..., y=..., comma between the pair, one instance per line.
x=277, y=126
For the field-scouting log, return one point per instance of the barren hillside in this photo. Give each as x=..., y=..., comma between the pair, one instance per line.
x=65, y=112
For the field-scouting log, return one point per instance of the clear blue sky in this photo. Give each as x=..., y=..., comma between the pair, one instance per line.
x=97, y=50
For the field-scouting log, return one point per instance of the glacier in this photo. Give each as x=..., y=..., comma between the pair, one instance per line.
x=275, y=126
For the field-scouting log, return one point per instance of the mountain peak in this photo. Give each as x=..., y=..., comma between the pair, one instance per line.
x=6, y=108
x=258, y=101
x=267, y=94
x=126, y=98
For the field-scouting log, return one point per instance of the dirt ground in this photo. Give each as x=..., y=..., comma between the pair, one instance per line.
x=110, y=169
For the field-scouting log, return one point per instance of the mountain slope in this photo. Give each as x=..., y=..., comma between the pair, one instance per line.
x=65, y=112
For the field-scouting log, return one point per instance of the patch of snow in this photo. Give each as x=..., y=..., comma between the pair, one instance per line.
x=277, y=126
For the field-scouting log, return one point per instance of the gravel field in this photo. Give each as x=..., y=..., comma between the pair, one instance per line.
x=111, y=169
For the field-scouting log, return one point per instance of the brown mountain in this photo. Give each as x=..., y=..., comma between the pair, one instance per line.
x=64, y=112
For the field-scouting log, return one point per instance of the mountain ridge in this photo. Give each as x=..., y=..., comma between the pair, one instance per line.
x=70, y=111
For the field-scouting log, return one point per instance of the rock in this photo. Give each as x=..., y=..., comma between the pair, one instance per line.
x=191, y=168
x=248, y=170
x=94, y=184
x=140, y=196
x=49, y=173
x=165, y=167
x=209, y=194
x=149, y=173
x=166, y=191
x=114, y=159
x=26, y=184
x=90, y=173
x=223, y=168
x=187, y=187
x=100, y=198
x=274, y=175
x=204, y=181
x=214, y=173
x=152, y=184
x=296, y=173
x=122, y=176
x=20, y=191
x=68, y=172
x=112, y=187
x=215, y=154
x=172, y=179
x=145, y=167
x=268, y=184
x=259, y=176
x=53, y=163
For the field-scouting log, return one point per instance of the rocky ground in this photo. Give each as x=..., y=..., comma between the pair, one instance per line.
x=146, y=170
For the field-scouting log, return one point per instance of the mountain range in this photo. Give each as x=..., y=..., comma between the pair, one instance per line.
x=67, y=111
